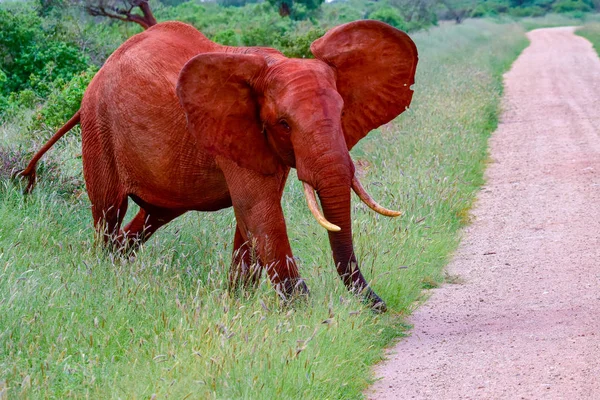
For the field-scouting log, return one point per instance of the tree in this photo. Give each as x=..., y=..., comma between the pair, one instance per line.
x=418, y=12
x=456, y=11
x=286, y=7
x=122, y=10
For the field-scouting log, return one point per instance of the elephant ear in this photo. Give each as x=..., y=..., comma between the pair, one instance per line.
x=375, y=67
x=216, y=92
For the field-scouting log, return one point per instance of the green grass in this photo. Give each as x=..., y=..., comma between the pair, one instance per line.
x=591, y=31
x=76, y=321
x=556, y=20
x=550, y=21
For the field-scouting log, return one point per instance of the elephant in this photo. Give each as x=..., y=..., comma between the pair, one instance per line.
x=176, y=123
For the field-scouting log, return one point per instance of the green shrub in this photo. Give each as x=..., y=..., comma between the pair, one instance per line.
x=479, y=11
x=545, y=4
x=11, y=105
x=227, y=37
x=64, y=101
x=33, y=54
x=490, y=8
x=234, y=3
x=260, y=36
x=341, y=12
x=298, y=46
x=565, y=6
x=391, y=16
x=533, y=11
x=26, y=98
x=189, y=12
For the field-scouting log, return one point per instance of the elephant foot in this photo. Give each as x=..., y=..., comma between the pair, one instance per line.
x=292, y=289
x=378, y=306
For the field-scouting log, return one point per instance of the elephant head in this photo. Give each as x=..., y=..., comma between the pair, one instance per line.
x=269, y=113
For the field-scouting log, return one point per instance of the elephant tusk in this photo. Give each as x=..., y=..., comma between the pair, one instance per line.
x=368, y=200
x=309, y=193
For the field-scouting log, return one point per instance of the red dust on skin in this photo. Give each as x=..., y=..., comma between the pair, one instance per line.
x=177, y=122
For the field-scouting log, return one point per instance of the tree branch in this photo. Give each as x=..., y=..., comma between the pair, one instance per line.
x=111, y=11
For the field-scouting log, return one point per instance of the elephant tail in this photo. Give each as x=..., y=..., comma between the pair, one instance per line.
x=29, y=172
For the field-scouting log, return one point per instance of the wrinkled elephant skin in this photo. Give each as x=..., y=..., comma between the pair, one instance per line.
x=177, y=122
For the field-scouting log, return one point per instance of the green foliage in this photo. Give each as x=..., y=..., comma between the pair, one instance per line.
x=554, y=20
x=565, y=6
x=340, y=12
x=299, y=45
x=419, y=13
x=532, y=11
x=11, y=105
x=389, y=15
x=394, y=17
x=529, y=8
x=262, y=35
x=35, y=54
x=591, y=31
x=174, y=3
x=189, y=12
x=64, y=101
x=227, y=37
x=296, y=9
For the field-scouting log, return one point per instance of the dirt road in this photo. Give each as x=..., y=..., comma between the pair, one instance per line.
x=525, y=321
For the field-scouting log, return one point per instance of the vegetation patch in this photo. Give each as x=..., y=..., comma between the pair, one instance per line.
x=591, y=31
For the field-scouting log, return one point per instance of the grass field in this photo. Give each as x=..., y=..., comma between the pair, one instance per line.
x=591, y=31
x=556, y=20
x=76, y=321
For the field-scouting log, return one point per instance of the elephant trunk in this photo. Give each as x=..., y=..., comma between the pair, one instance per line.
x=333, y=184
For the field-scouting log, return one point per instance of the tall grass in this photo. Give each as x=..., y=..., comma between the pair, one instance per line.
x=591, y=31
x=76, y=321
x=556, y=20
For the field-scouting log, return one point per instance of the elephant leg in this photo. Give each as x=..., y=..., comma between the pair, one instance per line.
x=256, y=200
x=267, y=234
x=246, y=269
x=107, y=196
x=144, y=224
x=108, y=211
x=108, y=219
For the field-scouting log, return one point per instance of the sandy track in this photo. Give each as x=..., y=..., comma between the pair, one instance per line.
x=525, y=322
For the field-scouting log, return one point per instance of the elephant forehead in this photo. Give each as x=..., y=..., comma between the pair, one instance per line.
x=299, y=74
x=309, y=104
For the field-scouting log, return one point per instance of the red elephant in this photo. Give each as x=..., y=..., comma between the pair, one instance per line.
x=177, y=122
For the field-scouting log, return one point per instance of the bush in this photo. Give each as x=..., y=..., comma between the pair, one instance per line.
x=11, y=105
x=188, y=12
x=64, y=101
x=33, y=54
x=341, y=12
x=565, y=6
x=490, y=8
x=390, y=16
x=532, y=8
x=533, y=11
x=298, y=46
x=227, y=37
x=262, y=36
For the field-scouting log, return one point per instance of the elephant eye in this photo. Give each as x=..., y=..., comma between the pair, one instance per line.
x=284, y=125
